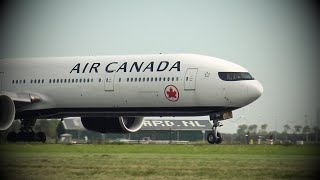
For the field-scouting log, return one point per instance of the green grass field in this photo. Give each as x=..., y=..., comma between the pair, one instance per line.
x=57, y=161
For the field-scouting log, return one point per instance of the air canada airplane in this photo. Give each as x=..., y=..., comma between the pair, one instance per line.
x=112, y=94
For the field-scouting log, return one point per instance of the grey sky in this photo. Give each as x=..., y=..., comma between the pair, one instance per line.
x=275, y=40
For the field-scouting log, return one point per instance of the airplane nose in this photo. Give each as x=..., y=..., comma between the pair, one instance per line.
x=255, y=90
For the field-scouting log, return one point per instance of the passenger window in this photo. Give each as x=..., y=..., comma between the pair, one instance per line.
x=49, y=80
x=144, y=79
x=164, y=79
x=127, y=79
x=159, y=79
x=106, y=79
x=65, y=80
x=119, y=79
x=131, y=79
x=88, y=80
x=168, y=79
x=42, y=81
x=68, y=80
x=155, y=79
x=24, y=81
x=72, y=80
x=57, y=80
x=151, y=79
x=91, y=79
x=99, y=79
x=139, y=79
x=177, y=79
x=187, y=78
x=80, y=80
x=147, y=79
x=20, y=81
x=172, y=79
x=135, y=79
x=39, y=81
x=76, y=80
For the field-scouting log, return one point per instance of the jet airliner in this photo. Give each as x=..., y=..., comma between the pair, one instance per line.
x=112, y=94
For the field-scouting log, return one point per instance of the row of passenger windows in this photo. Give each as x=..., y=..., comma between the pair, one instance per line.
x=72, y=80
x=41, y=81
x=151, y=79
x=88, y=80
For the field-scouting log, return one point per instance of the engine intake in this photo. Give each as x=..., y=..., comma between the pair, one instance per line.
x=7, y=112
x=112, y=124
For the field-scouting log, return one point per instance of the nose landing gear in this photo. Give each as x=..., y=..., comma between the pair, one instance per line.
x=215, y=137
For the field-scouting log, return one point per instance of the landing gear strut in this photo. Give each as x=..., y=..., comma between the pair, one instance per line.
x=215, y=137
x=26, y=133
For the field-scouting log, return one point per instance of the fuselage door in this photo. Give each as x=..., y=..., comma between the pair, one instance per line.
x=190, y=79
x=1, y=80
x=109, y=81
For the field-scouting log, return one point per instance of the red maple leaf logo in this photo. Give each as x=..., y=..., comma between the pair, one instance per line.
x=171, y=93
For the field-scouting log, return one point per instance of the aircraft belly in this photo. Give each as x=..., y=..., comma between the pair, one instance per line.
x=133, y=111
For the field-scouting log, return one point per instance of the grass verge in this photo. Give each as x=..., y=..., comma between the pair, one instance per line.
x=56, y=161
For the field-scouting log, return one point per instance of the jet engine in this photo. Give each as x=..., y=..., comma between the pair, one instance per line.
x=112, y=124
x=7, y=112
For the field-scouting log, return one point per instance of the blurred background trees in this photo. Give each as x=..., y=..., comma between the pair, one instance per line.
x=245, y=132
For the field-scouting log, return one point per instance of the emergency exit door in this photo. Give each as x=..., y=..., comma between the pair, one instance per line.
x=190, y=79
x=109, y=81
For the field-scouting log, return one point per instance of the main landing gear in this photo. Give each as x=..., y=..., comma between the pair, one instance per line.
x=215, y=137
x=26, y=133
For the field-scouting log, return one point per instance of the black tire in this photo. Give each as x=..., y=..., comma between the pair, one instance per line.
x=22, y=136
x=219, y=140
x=211, y=138
x=12, y=136
x=41, y=137
x=30, y=136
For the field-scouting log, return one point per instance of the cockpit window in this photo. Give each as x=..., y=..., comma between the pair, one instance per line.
x=235, y=76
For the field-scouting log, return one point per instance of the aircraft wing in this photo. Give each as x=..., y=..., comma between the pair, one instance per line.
x=21, y=99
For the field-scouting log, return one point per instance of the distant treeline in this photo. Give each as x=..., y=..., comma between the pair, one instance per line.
x=289, y=134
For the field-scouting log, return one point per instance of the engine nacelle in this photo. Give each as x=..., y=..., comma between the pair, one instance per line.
x=112, y=124
x=7, y=112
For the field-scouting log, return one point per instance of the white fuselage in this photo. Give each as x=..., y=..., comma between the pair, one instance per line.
x=136, y=85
